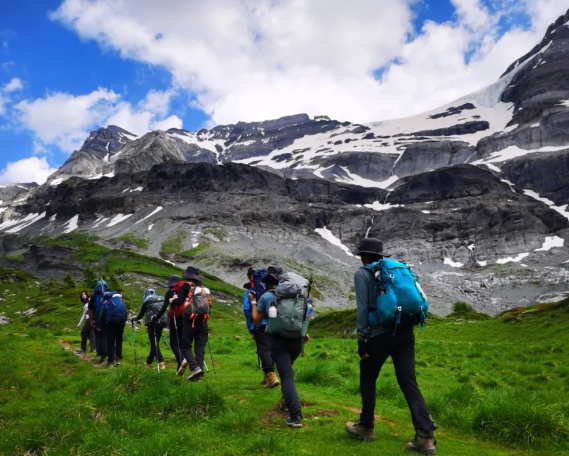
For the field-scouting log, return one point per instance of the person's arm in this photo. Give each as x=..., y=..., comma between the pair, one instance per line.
x=362, y=299
x=85, y=309
x=258, y=312
x=167, y=297
x=101, y=318
x=143, y=310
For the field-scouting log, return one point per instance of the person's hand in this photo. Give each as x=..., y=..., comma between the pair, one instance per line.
x=253, y=336
x=93, y=324
x=362, y=350
x=99, y=329
x=306, y=339
x=153, y=319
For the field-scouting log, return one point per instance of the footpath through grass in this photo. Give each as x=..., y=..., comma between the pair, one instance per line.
x=495, y=387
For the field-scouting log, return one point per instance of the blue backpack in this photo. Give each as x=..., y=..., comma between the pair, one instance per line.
x=149, y=292
x=99, y=292
x=115, y=308
x=400, y=300
x=257, y=286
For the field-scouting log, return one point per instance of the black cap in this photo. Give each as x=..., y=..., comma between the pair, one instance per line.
x=247, y=285
x=173, y=281
x=274, y=272
x=371, y=245
x=192, y=273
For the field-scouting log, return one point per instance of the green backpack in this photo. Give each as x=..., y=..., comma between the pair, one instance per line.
x=154, y=304
x=291, y=307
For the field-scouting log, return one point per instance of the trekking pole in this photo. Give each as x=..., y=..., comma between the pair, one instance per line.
x=211, y=356
x=259, y=364
x=205, y=365
x=156, y=348
x=168, y=345
x=134, y=344
x=128, y=342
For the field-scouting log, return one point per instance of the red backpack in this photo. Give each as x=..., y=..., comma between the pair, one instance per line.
x=178, y=311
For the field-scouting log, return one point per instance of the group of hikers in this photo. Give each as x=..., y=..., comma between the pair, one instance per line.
x=277, y=308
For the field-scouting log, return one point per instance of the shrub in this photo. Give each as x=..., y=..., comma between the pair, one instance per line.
x=69, y=282
x=462, y=307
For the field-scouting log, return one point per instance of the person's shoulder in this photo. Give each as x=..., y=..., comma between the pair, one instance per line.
x=268, y=296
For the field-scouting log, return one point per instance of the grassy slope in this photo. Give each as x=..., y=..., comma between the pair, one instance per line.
x=490, y=384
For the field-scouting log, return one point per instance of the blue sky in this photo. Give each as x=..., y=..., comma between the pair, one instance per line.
x=60, y=58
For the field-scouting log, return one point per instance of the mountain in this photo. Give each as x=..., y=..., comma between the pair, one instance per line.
x=474, y=194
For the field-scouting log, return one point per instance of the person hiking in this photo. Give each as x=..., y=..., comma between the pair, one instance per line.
x=261, y=338
x=87, y=331
x=195, y=328
x=154, y=330
x=94, y=308
x=377, y=342
x=284, y=350
x=176, y=320
x=113, y=316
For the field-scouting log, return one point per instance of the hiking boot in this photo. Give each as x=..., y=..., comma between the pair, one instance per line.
x=148, y=365
x=197, y=378
x=360, y=431
x=162, y=366
x=102, y=360
x=79, y=352
x=294, y=422
x=421, y=445
x=264, y=382
x=272, y=380
x=110, y=364
x=193, y=374
x=118, y=362
x=92, y=350
x=182, y=368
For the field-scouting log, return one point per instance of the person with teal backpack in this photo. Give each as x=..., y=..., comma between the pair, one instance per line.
x=390, y=303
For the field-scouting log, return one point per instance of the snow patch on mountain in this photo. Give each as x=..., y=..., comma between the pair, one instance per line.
x=327, y=234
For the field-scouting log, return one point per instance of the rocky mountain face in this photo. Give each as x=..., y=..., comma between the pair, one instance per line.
x=474, y=194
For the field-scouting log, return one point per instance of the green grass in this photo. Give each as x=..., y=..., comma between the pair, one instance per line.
x=173, y=245
x=196, y=251
x=495, y=387
x=130, y=238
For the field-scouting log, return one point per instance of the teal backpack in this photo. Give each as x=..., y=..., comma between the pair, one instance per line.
x=291, y=307
x=400, y=300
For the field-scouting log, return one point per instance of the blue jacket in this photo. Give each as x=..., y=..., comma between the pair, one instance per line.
x=248, y=312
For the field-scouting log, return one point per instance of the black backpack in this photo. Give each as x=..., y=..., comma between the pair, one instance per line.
x=153, y=306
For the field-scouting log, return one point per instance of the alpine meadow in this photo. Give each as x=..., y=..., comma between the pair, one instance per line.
x=264, y=227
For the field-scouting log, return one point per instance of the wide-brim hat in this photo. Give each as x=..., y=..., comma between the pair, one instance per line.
x=371, y=245
x=274, y=272
x=172, y=281
x=192, y=273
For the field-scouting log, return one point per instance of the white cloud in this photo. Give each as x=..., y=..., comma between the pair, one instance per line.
x=64, y=120
x=32, y=169
x=169, y=122
x=7, y=66
x=14, y=85
x=260, y=59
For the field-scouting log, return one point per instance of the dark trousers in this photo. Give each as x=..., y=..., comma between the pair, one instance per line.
x=115, y=331
x=176, y=326
x=101, y=340
x=401, y=348
x=284, y=352
x=263, y=341
x=87, y=332
x=154, y=334
x=194, y=334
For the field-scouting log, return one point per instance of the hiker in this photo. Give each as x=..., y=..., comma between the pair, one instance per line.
x=176, y=320
x=151, y=306
x=284, y=349
x=395, y=338
x=94, y=308
x=113, y=316
x=196, y=298
x=87, y=331
x=260, y=336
